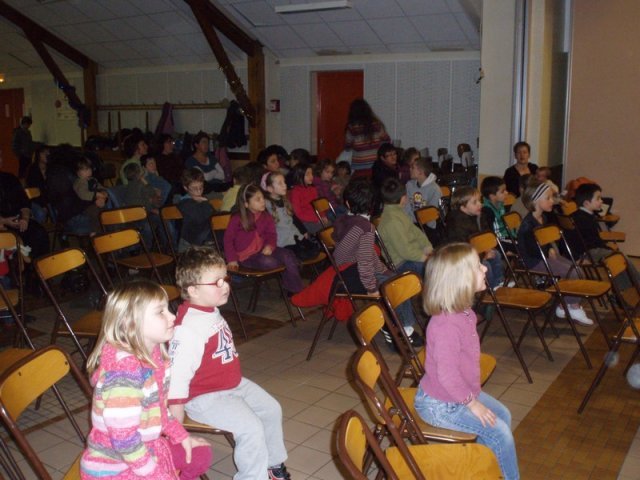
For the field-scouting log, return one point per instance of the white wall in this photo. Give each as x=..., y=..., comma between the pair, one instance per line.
x=40, y=95
x=424, y=100
x=496, y=104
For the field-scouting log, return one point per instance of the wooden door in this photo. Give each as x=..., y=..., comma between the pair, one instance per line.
x=335, y=92
x=11, y=107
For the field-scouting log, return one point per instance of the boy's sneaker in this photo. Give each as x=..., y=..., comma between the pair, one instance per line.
x=578, y=315
x=278, y=473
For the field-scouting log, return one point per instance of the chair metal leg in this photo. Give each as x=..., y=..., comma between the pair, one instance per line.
x=576, y=334
x=532, y=320
x=285, y=299
x=514, y=345
x=600, y=375
x=597, y=317
x=9, y=463
x=316, y=337
x=234, y=299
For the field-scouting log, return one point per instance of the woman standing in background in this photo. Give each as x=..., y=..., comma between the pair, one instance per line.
x=364, y=134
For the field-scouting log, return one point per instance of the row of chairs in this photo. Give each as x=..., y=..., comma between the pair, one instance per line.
x=432, y=452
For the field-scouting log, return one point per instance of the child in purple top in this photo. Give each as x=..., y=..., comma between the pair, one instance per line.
x=250, y=239
x=449, y=395
x=323, y=181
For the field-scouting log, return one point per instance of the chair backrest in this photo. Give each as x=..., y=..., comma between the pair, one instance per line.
x=170, y=213
x=216, y=203
x=322, y=206
x=512, y=220
x=119, y=216
x=112, y=242
x=219, y=223
x=445, y=191
x=368, y=321
x=427, y=214
x=394, y=291
x=354, y=439
x=616, y=265
x=483, y=242
x=509, y=199
x=60, y=262
x=32, y=192
x=325, y=237
x=551, y=234
x=372, y=375
x=569, y=207
x=28, y=379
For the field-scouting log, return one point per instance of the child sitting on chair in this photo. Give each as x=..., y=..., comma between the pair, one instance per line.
x=589, y=200
x=355, y=240
x=464, y=220
x=422, y=189
x=207, y=382
x=195, y=209
x=407, y=245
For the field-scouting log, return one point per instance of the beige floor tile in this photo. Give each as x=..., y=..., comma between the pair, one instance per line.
x=338, y=402
x=307, y=460
x=297, y=431
x=317, y=416
x=323, y=441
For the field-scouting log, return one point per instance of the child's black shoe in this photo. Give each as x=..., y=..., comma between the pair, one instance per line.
x=278, y=473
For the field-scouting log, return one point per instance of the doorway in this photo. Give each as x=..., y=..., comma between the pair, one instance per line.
x=11, y=111
x=334, y=93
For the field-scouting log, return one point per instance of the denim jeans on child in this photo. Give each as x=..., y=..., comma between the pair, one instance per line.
x=457, y=416
x=495, y=270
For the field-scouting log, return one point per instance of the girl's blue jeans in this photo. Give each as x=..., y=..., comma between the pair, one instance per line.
x=456, y=416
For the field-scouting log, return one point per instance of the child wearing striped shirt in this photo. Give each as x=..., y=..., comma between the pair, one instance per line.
x=133, y=434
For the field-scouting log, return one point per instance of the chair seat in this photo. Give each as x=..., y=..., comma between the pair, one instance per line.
x=524, y=298
x=581, y=288
x=608, y=236
x=10, y=356
x=13, y=296
x=172, y=292
x=194, y=426
x=430, y=432
x=487, y=364
x=447, y=461
x=141, y=261
x=628, y=335
x=89, y=325
x=252, y=273
x=317, y=259
x=609, y=218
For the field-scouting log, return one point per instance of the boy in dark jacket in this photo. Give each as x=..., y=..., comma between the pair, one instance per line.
x=195, y=209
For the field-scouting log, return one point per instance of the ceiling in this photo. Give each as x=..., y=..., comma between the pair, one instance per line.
x=126, y=33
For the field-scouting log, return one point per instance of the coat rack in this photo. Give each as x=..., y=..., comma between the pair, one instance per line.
x=127, y=107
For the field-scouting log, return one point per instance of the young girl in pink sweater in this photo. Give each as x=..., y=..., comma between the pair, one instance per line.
x=449, y=395
x=251, y=240
x=133, y=435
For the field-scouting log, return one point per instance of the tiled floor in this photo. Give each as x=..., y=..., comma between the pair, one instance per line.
x=313, y=394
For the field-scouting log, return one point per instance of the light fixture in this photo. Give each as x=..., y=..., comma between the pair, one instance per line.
x=1, y=77
x=313, y=6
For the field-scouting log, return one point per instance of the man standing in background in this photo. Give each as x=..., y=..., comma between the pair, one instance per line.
x=22, y=145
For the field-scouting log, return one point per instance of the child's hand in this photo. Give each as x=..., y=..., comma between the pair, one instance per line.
x=190, y=443
x=486, y=416
x=267, y=250
x=553, y=253
x=232, y=266
x=375, y=293
x=490, y=254
x=200, y=199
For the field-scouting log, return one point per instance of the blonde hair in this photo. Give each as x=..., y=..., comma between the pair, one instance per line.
x=192, y=265
x=450, y=279
x=122, y=321
x=462, y=195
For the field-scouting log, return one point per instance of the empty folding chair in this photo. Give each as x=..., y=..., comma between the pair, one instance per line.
x=88, y=326
x=513, y=298
x=22, y=384
x=567, y=287
x=628, y=302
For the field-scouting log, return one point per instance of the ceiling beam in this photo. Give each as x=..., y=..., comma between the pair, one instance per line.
x=229, y=29
x=204, y=17
x=43, y=35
